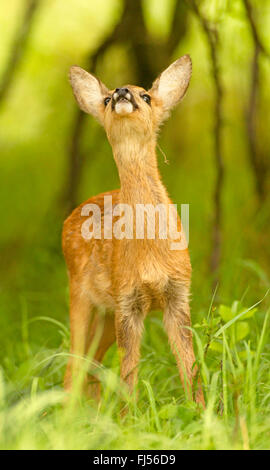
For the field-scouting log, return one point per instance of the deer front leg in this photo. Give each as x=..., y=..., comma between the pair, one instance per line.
x=177, y=322
x=129, y=327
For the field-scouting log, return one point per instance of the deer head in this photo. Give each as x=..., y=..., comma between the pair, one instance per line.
x=131, y=110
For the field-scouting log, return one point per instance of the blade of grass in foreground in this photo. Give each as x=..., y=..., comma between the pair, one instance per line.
x=224, y=381
x=209, y=412
x=152, y=404
x=261, y=342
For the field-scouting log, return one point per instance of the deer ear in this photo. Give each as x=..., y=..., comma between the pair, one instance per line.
x=88, y=91
x=172, y=84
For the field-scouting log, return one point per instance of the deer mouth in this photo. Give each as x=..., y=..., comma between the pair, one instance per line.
x=123, y=100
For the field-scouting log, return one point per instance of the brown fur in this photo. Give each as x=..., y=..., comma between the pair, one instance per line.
x=115, y=283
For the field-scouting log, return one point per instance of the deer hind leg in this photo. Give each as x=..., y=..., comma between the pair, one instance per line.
x=177, y=323
x=101, y=337
x=81, y=314
x=129, y=327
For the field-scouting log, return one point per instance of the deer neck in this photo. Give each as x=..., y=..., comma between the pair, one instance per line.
x=139, y=174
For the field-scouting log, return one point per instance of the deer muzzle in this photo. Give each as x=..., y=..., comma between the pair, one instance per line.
x=123, y=101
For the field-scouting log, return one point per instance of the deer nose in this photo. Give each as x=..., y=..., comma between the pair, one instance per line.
x=121, y=92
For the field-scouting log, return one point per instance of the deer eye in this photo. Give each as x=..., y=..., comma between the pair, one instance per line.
x=107, y=100
x=147, y=99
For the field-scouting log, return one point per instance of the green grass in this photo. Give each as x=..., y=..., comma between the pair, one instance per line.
x=233, y=353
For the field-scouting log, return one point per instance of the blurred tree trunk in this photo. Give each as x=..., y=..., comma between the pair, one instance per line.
x=149, y=56
x=18, y=47
x=212, y=39
x=258, y=160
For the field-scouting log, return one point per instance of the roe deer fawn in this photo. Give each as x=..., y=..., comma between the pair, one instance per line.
x=115, y=282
